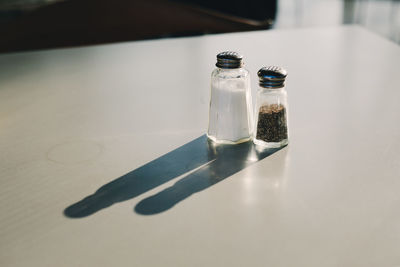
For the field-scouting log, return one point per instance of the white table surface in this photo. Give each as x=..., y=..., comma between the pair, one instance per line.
x=73, y=120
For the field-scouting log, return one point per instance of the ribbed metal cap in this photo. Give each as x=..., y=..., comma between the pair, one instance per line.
x=229, y=60
x=272, y=77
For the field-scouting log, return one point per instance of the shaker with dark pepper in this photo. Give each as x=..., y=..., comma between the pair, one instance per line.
x=271, y=108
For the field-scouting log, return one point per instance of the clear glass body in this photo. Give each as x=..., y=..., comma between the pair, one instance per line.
x=230, y=114
x=271, y=118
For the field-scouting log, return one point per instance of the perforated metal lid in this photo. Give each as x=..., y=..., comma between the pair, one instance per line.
x=272, y=77
x=229, y=60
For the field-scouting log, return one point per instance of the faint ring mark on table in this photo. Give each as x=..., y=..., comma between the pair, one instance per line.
x=74, y=152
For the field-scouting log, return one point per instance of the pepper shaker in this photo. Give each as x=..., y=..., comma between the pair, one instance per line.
x=230, y=113
x=271, y=118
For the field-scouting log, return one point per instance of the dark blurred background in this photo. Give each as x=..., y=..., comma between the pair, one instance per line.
x=40, y=24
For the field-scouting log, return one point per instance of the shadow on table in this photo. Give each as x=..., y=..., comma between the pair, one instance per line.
x=203, y=162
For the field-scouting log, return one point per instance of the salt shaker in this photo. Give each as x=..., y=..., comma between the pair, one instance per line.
x=230, y=114
x=271, y=118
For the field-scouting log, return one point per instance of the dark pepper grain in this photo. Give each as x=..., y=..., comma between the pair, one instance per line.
x=272, y=123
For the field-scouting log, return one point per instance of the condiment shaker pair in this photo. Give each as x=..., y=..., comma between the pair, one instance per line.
x=231, y=119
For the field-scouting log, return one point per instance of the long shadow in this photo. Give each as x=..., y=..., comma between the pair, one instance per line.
x=230, y=159
x=204, y=163
x=159, y=171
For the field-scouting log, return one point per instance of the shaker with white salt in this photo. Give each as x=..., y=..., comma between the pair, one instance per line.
x=230, y=115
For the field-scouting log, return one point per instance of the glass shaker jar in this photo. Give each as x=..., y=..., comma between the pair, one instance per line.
x=271, y=117
x=230, y=114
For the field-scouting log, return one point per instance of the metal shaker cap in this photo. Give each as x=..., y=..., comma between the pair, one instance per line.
x=229, y=60
x=272, y=77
